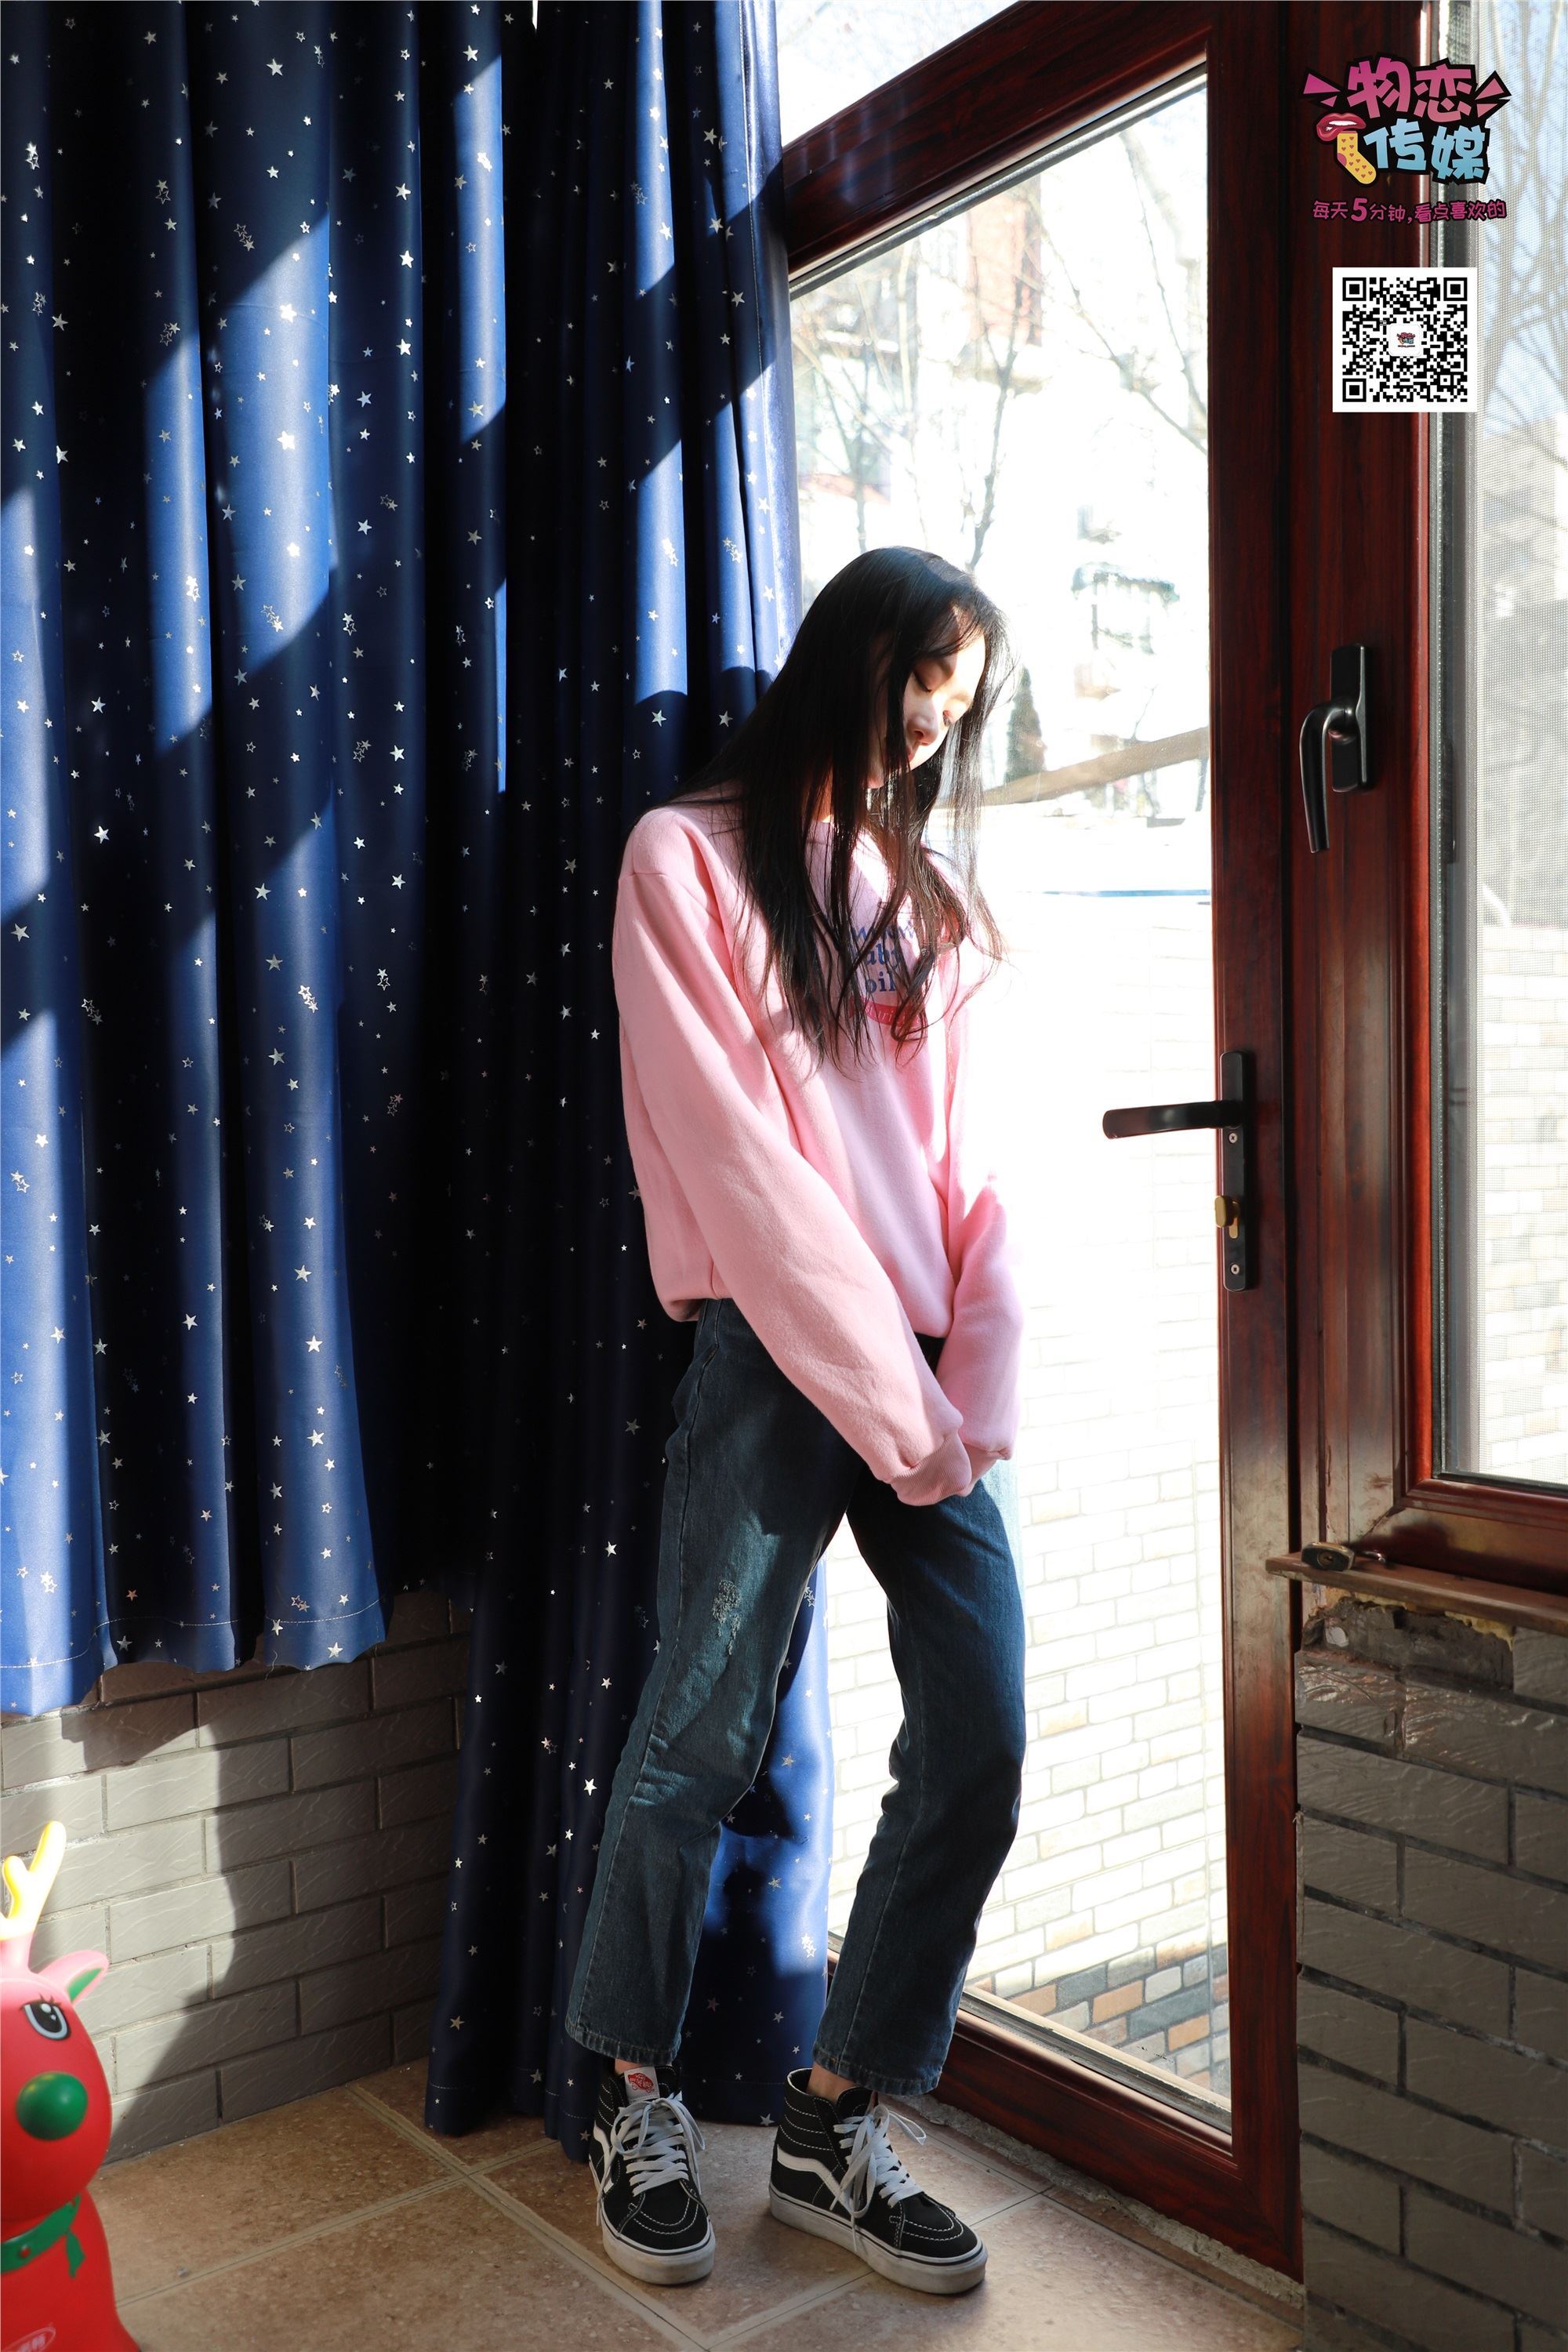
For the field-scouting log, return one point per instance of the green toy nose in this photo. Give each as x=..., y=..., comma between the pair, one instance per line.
x=51, y=2106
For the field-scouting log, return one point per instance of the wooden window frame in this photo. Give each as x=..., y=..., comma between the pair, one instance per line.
x=1031, y=75
x=1361, y=989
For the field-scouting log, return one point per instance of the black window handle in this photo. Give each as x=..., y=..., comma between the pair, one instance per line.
x=1335, y=742
x=1231, y=1114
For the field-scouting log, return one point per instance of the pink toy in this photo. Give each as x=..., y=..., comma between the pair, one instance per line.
x=56, y=2293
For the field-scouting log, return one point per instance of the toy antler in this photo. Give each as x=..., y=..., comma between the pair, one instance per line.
x=29, y=1884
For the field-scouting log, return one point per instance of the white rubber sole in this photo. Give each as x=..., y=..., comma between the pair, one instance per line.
x=654, y=2270
x=904, y=2270
x=657, y=2270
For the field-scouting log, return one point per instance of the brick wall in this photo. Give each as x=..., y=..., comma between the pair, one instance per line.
x=262, y=1855
x=1433, y=2018
x=1169, y=2007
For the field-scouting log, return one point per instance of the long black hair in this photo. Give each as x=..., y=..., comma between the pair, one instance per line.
x=842, y=685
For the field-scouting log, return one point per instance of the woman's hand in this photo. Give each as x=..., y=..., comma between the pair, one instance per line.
x=946, y=1472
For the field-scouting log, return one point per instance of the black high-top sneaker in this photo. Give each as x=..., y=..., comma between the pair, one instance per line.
x=651, y=2215
x=834, y=2174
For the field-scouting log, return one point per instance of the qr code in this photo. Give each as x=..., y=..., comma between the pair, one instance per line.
x=1404, y=339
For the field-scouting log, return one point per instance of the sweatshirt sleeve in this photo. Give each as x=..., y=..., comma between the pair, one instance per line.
x=783, y=1246
x=981, y=1363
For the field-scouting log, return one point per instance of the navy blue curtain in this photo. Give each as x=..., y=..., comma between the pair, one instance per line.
x=658, y=465
x=398, y=498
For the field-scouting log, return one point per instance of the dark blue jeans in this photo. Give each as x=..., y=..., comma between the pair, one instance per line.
x=758, y=1482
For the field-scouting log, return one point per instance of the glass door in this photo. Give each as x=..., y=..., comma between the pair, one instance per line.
x=1023, y=386
x=1012, y=366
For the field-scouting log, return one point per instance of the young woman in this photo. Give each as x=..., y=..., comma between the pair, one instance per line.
x=793, y=967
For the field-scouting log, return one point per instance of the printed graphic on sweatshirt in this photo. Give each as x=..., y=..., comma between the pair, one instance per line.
x=877, y=975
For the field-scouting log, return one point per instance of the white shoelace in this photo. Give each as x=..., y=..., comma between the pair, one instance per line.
x=873, y=2162
x=656, y=2138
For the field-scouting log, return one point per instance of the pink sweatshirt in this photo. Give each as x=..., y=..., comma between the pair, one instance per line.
x=842, y=1210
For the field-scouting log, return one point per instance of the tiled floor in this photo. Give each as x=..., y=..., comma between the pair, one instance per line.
x=340, y=2221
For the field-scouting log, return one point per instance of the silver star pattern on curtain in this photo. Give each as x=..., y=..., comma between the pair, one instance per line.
x=399, y=500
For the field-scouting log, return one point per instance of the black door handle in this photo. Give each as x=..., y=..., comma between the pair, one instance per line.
x=1162, y=1118
x=1231, y=1114
x=1335, y=744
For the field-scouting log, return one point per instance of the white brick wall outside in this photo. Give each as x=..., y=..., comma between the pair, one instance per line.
x=1121, y=1844
x=1524, y=1205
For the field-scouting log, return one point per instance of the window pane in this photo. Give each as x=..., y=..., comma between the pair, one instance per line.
x=1500, y=839
x=1022, y=388
x=832, y=52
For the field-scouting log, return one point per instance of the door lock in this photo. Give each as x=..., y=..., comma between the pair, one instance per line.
x=1231, y=1114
